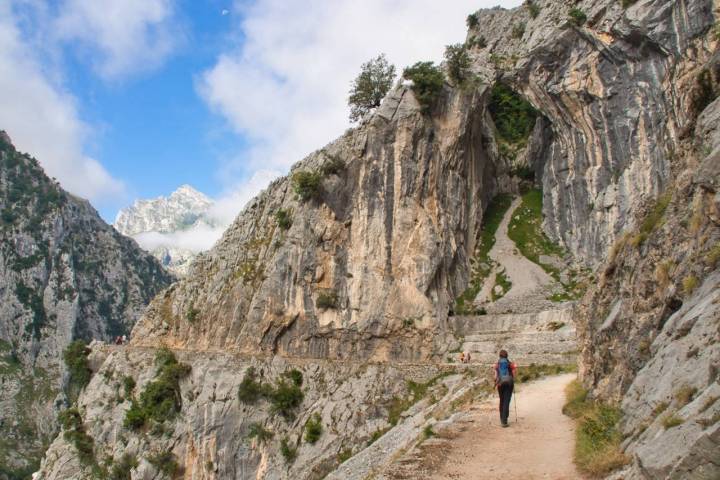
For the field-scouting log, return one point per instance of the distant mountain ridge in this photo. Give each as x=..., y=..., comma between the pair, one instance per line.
x=153, y=222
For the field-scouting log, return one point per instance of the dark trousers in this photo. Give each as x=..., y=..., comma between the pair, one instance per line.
x=505, y=392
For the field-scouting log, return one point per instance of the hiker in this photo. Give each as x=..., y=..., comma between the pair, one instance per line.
x=462, y=357
x=467, y=357
x=505, y=371
x=124, y=339
x=118, y=340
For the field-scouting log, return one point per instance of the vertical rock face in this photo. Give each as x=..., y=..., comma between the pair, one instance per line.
x=64, y=274
x=366, y=268
x=369, y=266
x=610, y=90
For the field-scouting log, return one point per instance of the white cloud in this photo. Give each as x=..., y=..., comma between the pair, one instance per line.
x=42, y=119
x=124, y=36
x=230, y=203
x=285, y=86
x=196, y=239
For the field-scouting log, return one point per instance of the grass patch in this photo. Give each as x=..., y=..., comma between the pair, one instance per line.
x=689, y=284
x=262, y=434
x=165, y=462
x=525, y=230
x=653, y=220
x=74, y=432
x=416, y=392
x=660, y=408
x=534, y=371
x=122, y=468
x=713, y=256
x=577, y=17
x=504, y=283
x=684, y=395
x=313, y=428
x=671, y=421
x=344, y=455
x=288, y=452
x=481, y=263
x=597, y=438
x=283, y=218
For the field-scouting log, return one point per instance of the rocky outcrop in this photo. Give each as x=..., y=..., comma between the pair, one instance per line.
x=156, y=223
x=64, y=274
x=367, y=267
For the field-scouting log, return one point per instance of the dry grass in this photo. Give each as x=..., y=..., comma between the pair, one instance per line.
x=689, y=284
x=713, y=256
x=662, y=273
x=597, y=439
x=684, y=395
x=696, y=221
x=671, y=421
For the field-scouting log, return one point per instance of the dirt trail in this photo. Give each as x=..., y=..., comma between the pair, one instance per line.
x=526, y=276
x=538, y=446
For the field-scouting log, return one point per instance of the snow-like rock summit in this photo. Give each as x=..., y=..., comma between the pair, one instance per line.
x=167, y=226
x=181, y=210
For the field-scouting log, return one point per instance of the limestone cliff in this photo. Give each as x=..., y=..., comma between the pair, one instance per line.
x=64, y=274
x=369, y=266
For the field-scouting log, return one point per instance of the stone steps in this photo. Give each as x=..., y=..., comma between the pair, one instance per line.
x=546, y=337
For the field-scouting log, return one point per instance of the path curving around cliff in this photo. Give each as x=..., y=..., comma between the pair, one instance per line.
x=539, y=445
x=526, y=277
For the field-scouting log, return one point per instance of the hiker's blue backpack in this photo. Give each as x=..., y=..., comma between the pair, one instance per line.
x=505, y=376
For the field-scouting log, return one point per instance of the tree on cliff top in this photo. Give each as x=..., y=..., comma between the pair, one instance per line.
x=369, y=88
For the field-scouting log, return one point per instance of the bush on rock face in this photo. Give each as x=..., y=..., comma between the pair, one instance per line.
x=307, y=185
x=428, y=80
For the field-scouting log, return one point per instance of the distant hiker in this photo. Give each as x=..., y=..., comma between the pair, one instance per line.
x=462, y=357
x=505, y=371
x=124, y=339
x=118, y=340
x=467, y=357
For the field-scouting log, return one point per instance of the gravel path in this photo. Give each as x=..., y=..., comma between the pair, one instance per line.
x=538, y=446
x=526, y=276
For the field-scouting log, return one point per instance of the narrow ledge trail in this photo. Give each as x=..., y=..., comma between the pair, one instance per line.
x=538, y=446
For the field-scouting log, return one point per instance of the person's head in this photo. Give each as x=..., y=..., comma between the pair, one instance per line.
x=503, y=353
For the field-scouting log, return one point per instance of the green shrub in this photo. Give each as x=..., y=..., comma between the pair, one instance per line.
x=472, y=20
x=577, y=17
x=285, y=398
x=514, y=117
x=74, y=433
x=533, y=9
x=428, y=431
x=75, y=357
x=128, y=385
x=344, y=455
x=121, y=469
x=627, y=3
x=428, y=81
x=307, y=185
x=192, y=314
x=327, y=299
x=250, y=390
x=597, y=437
x=288, y=452
x=479, y=42
x=313, y=428
x=370, y=87
x=653, y=219
x=333, y=166
x=161, y=399
x=296, y=376
x=458, y=62
x=283, y=218
x=518, y=30
x=164, y=462
x=256, y=430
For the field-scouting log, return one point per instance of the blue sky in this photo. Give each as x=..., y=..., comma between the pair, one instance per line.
x=129, y=99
